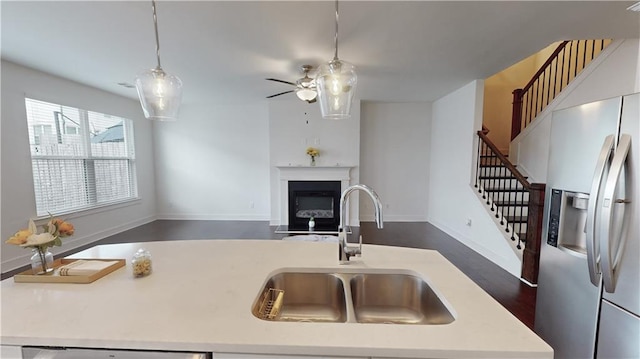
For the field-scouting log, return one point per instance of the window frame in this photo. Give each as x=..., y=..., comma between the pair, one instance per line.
x=88, y=163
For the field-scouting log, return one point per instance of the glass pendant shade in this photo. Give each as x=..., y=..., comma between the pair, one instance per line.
x=336, y=83
x=160, y=94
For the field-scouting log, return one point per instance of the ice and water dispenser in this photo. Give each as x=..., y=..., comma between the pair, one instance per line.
x=568, y=221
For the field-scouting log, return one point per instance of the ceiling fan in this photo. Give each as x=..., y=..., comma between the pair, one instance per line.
x=305, y=86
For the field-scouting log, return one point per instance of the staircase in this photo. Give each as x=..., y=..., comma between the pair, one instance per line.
x=506, y=197
x=516, y=204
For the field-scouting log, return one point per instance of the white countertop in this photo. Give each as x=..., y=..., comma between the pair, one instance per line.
x=200, y=295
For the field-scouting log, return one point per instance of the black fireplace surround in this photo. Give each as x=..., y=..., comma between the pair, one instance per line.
x=317, y=199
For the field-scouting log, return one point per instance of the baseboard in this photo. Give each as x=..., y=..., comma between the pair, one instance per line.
x=476, y=247
x=74, y=242
x=214, y=217
x=394, y=218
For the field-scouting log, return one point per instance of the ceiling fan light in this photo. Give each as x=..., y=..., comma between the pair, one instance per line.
x=306, y=82
x=160, y=94
x=306, y=94
x=336, y=84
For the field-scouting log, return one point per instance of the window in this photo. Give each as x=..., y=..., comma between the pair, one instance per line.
x=81, y=159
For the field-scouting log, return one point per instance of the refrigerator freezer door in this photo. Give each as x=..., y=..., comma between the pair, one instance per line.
x=627, y=289
x=618, y=334
x=576, y=139
x=567, y=303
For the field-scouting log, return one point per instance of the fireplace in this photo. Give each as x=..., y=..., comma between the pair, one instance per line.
x=317, y=199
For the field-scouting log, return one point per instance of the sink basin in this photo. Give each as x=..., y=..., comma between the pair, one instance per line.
x=396, y=299
x=354, y=297
x=306, y=297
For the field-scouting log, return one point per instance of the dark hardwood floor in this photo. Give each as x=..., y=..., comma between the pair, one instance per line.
x=508, y=290
x=516, y=296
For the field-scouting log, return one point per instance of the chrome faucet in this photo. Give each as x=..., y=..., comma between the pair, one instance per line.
x=345, y=251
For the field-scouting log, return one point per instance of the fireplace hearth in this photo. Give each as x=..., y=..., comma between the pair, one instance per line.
x=317, y=199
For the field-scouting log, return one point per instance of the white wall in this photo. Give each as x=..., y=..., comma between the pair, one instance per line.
x=455, y=120
x=614, y=73
x=18, y=199
x=498, y=99
x=295, y=125
x=394, y=159
x=213, y=164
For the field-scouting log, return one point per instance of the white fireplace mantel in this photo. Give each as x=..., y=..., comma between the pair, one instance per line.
x=315, y=173
x=309, y=173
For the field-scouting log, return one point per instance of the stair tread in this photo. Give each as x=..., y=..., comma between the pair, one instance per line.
x=485, y=165
x=491, y=189
x=496, y=164
x=516, y=219
x=484, y=177
x=511, y=203
x=523, y=239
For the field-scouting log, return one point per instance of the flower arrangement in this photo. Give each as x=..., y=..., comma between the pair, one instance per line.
x=53, y=232
x=313, y=152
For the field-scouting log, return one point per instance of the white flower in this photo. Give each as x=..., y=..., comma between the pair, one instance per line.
x=39, y=239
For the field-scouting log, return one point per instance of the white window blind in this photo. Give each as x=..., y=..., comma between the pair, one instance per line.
x=80, y=159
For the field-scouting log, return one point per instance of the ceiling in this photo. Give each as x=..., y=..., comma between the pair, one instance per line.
x=403, y=51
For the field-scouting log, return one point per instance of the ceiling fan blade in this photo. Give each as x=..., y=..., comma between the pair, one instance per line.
x=284, y=82
x=281, y=93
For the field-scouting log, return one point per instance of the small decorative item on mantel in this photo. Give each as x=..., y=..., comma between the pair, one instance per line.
x=313, y=152
x=54, y=230
x=312, y=223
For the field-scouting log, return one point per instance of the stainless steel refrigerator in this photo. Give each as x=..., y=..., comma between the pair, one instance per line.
x=588, y=297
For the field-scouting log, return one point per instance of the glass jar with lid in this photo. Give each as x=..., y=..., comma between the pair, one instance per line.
x=141, y=263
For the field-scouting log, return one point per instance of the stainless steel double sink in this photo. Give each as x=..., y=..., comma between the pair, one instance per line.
x=392, y=297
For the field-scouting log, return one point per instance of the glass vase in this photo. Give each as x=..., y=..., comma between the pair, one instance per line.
x=313, y=161
x=41, y=261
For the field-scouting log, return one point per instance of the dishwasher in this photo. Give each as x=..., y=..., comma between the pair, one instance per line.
x=84, y=353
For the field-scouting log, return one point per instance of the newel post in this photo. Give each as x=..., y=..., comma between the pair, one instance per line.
x=531, y=253
x=516, y=114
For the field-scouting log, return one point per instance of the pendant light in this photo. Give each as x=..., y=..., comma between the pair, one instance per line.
x=160, y=93
x=336, y=83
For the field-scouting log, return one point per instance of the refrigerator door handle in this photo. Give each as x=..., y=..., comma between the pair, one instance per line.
x=593, y=250
x=610, y=227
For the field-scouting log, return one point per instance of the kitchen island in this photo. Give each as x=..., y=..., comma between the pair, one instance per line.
x=200, y=296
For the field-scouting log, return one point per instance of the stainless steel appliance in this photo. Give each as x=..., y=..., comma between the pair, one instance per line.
x=588, y=298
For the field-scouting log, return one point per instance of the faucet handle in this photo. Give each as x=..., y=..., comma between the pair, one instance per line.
x=353, y=250
x=359, y=253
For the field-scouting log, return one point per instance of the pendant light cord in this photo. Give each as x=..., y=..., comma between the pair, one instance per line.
x=155, y=25
x=335, y=56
